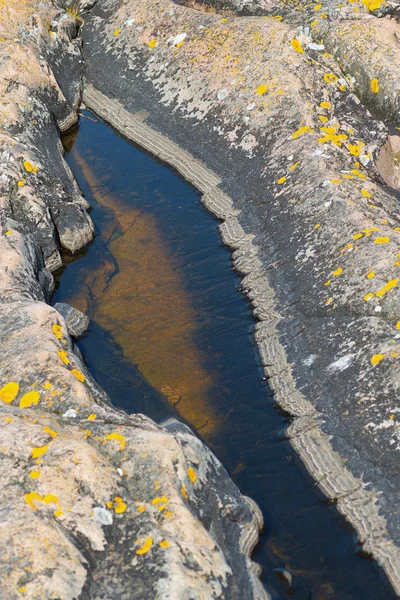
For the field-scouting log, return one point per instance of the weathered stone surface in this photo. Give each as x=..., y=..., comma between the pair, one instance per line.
x=76, y=321
x=261, y=118
x=96, y=503
x=36, y=187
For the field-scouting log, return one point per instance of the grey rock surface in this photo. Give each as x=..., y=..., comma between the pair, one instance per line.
x=259, y=116
x=76, y=321
x=96, y=504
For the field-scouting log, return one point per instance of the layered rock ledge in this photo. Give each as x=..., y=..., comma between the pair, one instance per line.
x=95, y=503
x=281, y=120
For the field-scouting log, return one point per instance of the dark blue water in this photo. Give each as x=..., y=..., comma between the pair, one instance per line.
x=304, y=534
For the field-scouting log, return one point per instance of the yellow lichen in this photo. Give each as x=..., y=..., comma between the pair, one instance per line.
x=145, y=546
x=330, y=78
x=159, y=500
x=64, y=357
x=164, y=544
x=301, y=131
x=184, y=491
x=37, y=452
x=57, y=330
x=152, y=43
x=338, y=272
x=34, y=474
x=387, y=287
x=9, y=392
x=92, y=417
x=375, y=85
x=281, y=180
x=377, y=359
x=262, y=89
x=29, y=399
x=51, y=432
x=297, y=46
x=117, y=437
x=80, y=376
x=381, y=240
x=29, y=167
x=192, y=474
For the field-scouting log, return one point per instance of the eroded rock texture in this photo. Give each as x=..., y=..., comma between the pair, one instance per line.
x=95, y=503
x=271, y=118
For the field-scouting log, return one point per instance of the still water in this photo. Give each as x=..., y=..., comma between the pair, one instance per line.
x=171, y=335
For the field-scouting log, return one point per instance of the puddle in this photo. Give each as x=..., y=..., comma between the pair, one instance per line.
x=171, y=335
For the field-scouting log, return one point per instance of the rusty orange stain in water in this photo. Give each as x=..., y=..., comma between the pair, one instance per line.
x=145, y=307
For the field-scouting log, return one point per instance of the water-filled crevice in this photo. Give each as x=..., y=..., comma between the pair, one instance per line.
x=172, y=332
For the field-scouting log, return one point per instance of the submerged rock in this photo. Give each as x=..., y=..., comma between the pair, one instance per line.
x=76, y=321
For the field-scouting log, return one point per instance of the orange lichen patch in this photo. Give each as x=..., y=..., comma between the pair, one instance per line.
x=29, y=399
x=80, y=376
x=64, y=357
x=381, y=240
x=92, y=417
x=338, y=272
x=192, y=474
x=38, y=452
x=301, y=131
x=51, y=432
x=387, y=287
x=9, y=392
x=159, y=500
x=34, y=474
x=184, y=492
x=281, y=180
x=375, y=85
x=29, y=167
x=376, y=359
x=57, y=330
x=164, y=544
x=145, y=546
x=297, y=46
x=116, y=437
